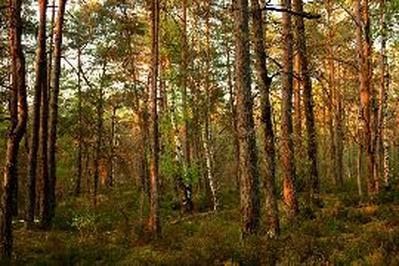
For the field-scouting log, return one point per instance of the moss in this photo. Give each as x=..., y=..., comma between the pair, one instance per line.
x=112, y=233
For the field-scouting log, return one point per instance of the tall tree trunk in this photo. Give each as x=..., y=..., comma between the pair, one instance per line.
x=364, y=49
x=111, y=174
x=34, y=141
x=232, y=107
x=264, y=81
x=99, y=139
x=187, y=189
x=207, y=134
x=249, y=175
x=79, y=162
x=331, y=103
x=314, y=185
x=381, y=171
x=45, y=189
x=55, y=81
x=154, y=222
x=287, y=146
x=18, y=113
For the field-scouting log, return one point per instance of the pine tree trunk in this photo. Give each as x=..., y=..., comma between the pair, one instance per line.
x=18, y=113
x=381, y=171
x=264, y=81
x=249, y=176
x=99, y=139
x=187, y=188
x=79, y=167
x=34, y=141
x=287, y=146
x=154, y=223
x=314, y=185
x=111, y=174
x=333, y=103
x=364, y=50
x=233, y=111
x=45, y=189
x=55, y=82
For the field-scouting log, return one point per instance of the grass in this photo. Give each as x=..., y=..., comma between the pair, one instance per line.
x=344, y=232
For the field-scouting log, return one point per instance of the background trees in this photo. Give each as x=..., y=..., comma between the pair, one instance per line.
x=182, y=111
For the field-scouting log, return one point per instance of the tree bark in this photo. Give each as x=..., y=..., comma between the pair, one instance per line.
x=45, y=216
x=111, y=174
x=187, y=188
x=154, y=221
x=382, y=171
x=287, y=147
x=207, y=134
x=364, y=54
x=249, y=175
x=233, y=111
x=99, y=128
x=273, y=223
x=79, y=162
x=34, y=141
x=18, y=113
x=55, y=81
x=314, y=183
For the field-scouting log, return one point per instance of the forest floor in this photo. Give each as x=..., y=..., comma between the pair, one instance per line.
x=344, y=231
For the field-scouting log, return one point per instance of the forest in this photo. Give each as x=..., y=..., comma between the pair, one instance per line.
x=189, y=132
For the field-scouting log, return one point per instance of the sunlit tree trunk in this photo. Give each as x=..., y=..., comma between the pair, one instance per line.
x=364, y=54
x=18, y=114
x=287, y=147
x=249, y=175
x=335, y=107
x=207, y=134
x=154, y=223
x=264, y=81
x=382, y=169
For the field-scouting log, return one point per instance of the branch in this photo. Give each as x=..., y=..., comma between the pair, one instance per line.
x=299, y=14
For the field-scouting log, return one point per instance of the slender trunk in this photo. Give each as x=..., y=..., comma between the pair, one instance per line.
x=359, y=170
x=208, y=147
x=79, y=167
x=99, y=140
x=187, y=188
x=297, y=87
x=55, y=81
x=111, y=174
x=273, y=223
x=334, y=105
x=154, y=222
x=233, y=122
x=297, y=116
x=339, y=128
x=314, y=185
x=287, y=147
x=45, y=189
x=249, y=175
x=209, y=165
x=18, y=114
x=34, y=141
x=381, y=171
